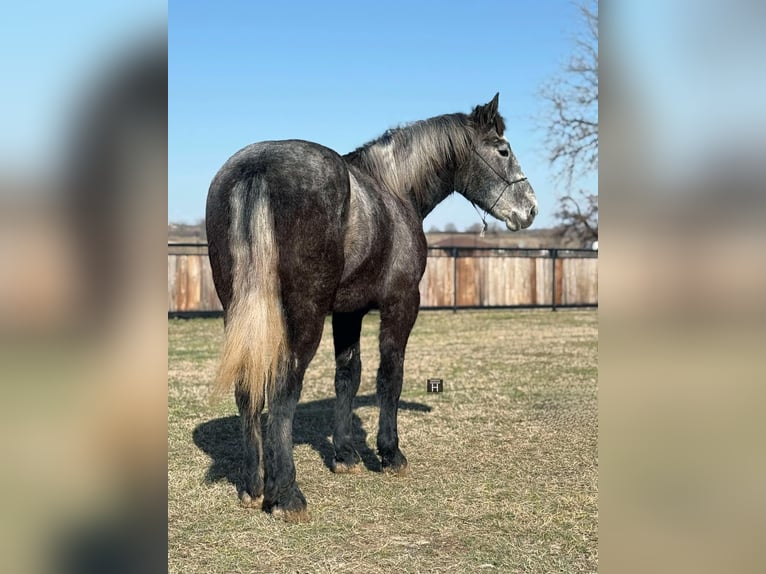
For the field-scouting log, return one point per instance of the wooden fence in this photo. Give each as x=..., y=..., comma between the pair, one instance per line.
x=455, y=278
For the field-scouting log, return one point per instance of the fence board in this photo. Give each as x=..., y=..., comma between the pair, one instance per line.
x=437, y=287
x=543, y=283
x=209, y=296
x=467, y=282
x=580, y=281
x=181, y=283
x=558, y=263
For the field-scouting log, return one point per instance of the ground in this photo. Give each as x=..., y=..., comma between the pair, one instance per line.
x=503, y=463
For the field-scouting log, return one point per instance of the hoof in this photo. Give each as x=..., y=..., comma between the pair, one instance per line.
x=291, y=516
x=247, y=501
x=289, y=505
x=395, y=465
x=402, y=470
x=343, y=468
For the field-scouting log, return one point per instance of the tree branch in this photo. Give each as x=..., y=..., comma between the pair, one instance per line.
x=571, y=127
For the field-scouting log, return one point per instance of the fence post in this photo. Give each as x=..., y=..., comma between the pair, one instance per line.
x=454, y=279
x=554, y=254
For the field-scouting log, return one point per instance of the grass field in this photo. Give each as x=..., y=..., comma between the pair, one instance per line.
x=503, y=464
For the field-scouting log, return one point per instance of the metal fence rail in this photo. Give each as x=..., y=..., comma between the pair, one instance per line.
x=455, y=278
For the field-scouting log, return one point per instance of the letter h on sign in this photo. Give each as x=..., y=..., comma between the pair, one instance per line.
x=435, y=385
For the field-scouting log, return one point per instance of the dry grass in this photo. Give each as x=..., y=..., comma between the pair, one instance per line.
x=503, y=464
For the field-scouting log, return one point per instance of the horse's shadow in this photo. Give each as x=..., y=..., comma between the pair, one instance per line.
x=221, y=439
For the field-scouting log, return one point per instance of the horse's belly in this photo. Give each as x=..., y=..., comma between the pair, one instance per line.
x=355, y=295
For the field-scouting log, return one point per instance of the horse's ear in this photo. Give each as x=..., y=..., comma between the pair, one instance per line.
x=493, y=104
x=487, y=116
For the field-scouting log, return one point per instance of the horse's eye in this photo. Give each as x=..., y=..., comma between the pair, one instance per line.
x=503, y=152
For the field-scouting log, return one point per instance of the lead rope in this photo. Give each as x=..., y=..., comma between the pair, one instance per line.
x=483, y=219
x=507, y=184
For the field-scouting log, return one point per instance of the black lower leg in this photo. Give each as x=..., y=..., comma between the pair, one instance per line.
x=396, y=321
x=389, y=388
x=348, y=370
x=280, y=489
x=251, y=483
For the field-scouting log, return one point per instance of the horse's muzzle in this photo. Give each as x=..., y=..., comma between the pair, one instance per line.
x=522, y=219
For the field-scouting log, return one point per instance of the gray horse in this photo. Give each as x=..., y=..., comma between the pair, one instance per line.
x=297, y=231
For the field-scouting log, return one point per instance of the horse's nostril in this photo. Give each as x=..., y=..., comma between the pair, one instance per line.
x=533, y=211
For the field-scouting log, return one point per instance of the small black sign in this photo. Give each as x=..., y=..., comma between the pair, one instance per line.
x=435, y=385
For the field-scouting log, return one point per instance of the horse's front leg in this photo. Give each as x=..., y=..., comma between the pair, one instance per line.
x=396, y=321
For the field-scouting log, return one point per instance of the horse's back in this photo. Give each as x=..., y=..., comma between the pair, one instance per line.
x=289, y=168
x=305, y=184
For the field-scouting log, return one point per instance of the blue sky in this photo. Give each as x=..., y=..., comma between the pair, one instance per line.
x=341, y=73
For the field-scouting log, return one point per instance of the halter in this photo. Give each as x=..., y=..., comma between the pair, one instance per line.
x=507, y=185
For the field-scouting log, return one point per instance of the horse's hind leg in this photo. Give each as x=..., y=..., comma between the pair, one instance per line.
x=281, y=494
x=346, y=328
x=251, y=486
x=396, y=321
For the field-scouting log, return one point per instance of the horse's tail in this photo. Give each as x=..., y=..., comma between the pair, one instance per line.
x=255, y=344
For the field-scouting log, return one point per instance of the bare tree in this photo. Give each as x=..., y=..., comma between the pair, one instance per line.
x=579, y=218
x=571, y=127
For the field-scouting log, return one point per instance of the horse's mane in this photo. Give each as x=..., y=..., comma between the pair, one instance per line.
x=415, y=159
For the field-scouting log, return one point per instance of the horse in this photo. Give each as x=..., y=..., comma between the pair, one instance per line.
x=297, y=232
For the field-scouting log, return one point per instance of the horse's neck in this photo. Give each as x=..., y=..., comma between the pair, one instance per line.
x=424, y=176
x=426, y=202
x=428, y=188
